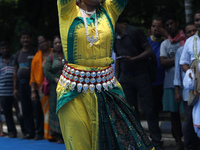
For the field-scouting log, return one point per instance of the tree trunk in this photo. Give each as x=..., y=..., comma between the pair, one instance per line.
x=189, y=10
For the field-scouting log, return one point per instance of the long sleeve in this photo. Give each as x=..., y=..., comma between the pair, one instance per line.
x=115, y=8
x=67, y=12
x=65, y=7
x=185, y=57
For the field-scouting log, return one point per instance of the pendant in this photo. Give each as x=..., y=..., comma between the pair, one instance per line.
x=98, y=87
x=73, y=85
x=91, y=87
x=85, y=88
x=91, y=40
x=105, y=86
x=79, y=87
x=109, y=85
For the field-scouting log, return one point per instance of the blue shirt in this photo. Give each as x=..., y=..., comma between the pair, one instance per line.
x=6, y=77
x=179, y=74
x=155, y=45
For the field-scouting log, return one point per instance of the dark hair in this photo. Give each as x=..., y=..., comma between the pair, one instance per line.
x=3, y=43
x=25, y=32
x=167, y=17
x=187, y=24
x=56, y=36
x=197, y=12
x=42, y=36
x=157, y=19
x=78, y=1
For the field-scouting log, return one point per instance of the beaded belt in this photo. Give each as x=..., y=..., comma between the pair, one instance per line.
x=84, y=80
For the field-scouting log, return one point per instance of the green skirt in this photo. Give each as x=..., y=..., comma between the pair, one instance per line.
x=101, y=121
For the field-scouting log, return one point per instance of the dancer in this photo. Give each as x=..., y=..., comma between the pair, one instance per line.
x=91, y=107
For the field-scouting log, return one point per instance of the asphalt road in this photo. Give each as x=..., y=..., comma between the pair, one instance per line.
x=169, y=142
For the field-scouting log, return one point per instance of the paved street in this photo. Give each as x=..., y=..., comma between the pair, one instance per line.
x=169, y=142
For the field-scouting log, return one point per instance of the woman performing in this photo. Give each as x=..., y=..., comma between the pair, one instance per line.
x=91, y=107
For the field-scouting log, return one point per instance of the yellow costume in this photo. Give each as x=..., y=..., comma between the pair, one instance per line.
x=97, y=120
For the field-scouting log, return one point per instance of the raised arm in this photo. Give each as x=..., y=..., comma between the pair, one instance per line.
x=65, y=7
x=115, y=8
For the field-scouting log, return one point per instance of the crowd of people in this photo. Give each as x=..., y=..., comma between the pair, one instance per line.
x=22, y=78
x=43, y=112
x=167, y=93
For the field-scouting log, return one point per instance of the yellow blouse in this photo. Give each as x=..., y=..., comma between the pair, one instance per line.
x=76, y=48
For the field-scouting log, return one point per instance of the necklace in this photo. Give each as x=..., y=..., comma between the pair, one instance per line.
x=91, y=39
x=88, y=12
x=196, y=55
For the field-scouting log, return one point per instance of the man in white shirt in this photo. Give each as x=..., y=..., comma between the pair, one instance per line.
x=190, y=52
x=168, y=50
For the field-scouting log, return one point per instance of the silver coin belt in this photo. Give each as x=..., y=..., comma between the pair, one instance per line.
x=87, y=80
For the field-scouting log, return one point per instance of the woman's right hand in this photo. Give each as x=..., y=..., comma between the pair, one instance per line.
x=34, y=96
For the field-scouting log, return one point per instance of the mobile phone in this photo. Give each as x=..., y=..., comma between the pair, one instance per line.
x=119, y=57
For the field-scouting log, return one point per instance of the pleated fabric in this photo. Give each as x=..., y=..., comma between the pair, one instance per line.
x=101, y=121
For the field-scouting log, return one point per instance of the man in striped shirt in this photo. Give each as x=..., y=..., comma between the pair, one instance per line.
x=6, y=87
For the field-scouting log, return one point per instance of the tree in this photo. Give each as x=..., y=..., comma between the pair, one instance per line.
x=189, y=10
x=41, y=16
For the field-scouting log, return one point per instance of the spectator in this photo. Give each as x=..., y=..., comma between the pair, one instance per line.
x=189, y=54
x=21, y=82
x=155, y=40
x=52, y=70
x=133, y=47
x=190, y=137
x=37, y=77
x=1, y=124
x=167, y=59
x=6, y=87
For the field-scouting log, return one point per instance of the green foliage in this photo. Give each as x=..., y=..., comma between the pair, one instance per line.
x=39, y=16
